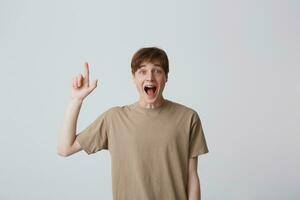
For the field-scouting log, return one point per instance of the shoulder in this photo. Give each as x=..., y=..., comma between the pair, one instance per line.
x=179, y=107
x=185, y=112
x=117, y=110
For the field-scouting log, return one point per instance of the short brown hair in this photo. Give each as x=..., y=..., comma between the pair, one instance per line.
x=150, y=54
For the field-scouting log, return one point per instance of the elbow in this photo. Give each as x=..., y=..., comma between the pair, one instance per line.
x=62, y=152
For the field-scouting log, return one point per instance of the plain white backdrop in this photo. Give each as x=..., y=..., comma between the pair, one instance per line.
x=235, y=62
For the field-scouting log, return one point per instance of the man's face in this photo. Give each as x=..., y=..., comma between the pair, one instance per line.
x=150, y=81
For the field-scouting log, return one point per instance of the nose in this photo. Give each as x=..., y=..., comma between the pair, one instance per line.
x=149, y=76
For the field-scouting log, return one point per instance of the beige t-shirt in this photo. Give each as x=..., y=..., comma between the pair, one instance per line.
x=149, y=148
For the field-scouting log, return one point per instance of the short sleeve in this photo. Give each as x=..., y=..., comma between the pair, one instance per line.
x=94, y=137
x=197, y=143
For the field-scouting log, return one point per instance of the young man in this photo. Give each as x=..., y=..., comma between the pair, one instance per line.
x=153, y=143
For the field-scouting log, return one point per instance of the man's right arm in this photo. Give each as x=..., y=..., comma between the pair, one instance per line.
x=81, y=88
x=67, y=143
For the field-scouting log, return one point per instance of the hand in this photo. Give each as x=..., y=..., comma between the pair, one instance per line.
x=81, y=86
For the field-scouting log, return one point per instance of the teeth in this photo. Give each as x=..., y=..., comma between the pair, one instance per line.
x=150, y=86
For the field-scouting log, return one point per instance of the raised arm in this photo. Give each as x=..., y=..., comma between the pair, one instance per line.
x=81, y=88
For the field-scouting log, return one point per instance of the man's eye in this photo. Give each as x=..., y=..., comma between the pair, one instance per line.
x=158, y=71
x=142, y=72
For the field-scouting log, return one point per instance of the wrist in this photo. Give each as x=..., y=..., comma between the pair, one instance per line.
x=77, y=100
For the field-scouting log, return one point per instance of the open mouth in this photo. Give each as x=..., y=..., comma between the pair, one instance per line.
x=150, y=90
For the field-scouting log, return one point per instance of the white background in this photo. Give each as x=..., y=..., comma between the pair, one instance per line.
x=235, y=62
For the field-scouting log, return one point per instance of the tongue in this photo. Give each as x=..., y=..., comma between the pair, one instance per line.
x=150, y=92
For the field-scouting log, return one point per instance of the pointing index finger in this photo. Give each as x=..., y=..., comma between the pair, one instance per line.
x=86, y=72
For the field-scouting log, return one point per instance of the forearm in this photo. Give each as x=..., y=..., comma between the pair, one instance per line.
x=67, y=134
x=194, y=191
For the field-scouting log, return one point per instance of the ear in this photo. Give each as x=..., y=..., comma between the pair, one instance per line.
x=166, y=77
x=133, y=77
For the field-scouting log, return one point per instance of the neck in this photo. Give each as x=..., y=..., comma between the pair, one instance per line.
x=153, y=105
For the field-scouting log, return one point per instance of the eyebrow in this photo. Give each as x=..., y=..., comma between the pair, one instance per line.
x=155, y=64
